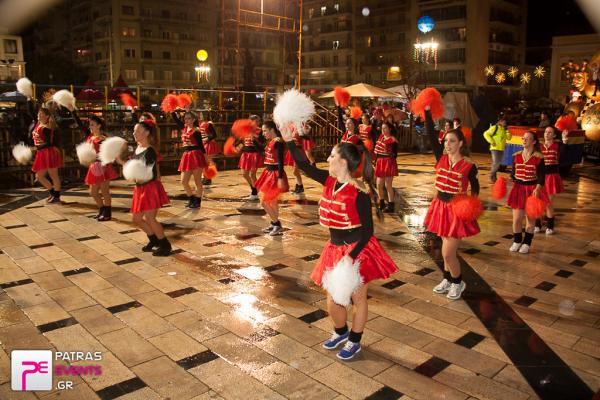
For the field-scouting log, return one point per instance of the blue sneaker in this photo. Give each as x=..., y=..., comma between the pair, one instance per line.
x=335, y=340
x=349, y=351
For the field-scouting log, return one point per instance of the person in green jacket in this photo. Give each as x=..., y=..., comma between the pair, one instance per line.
x=496, y=136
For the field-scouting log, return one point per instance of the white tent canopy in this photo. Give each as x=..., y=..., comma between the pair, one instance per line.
x=403, y=91
x=364, y=90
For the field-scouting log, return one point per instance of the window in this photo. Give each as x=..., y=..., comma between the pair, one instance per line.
x=130, y=74
x=336, y=44
x=185, y=75
x=335, y=61
x=311, y=12
x=168, y=75
x=166, y=35
x=10, y=46
x=369, y=41
x=127, y=10
x=165, y=14
x=348, y=60
x=146, y=12
x=336, y=6
x=323, y=10
x=147, y=53
x=147, y=33
x=128, y=32
x=98, y=56
x=149, y=75
x=129, y=53
x=167, y=55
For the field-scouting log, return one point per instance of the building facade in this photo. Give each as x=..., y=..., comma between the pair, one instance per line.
x=147, y=42
x=12, y=61
x=347, y=41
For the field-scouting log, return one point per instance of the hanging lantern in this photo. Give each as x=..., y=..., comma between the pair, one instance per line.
x=525, y=78
x=513, y=71
x=500, y=77
x=425, y=24
x=539, y=71
x=489, y=70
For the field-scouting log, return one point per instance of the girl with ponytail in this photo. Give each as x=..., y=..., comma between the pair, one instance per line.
x=352, y=257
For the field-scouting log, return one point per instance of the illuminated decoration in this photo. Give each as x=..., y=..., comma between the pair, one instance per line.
x=539, y=71
x=366, y=11
x=426, y=52
x=202, y=55
x=513, y=71
x=500, y=77
x=525, y=78
x=202, y=72
x=425, y=24
x=489, y=70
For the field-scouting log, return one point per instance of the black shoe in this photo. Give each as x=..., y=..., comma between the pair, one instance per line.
x=295, y=189
x=55, y=198
x=164, y=248
x=100, y=212
x=382, y=204
x=207, y=181
x=190, y=202
x=389, y=208
x=106, y=215
x=195, y=202
x=300, y=189
x=152, y=243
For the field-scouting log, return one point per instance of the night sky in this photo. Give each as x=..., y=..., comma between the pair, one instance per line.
x=565, y=18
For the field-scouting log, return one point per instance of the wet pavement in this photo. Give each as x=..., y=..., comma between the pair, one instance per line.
x=233, y=314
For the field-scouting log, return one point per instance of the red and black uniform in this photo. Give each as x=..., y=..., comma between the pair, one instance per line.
x=289, y=160
x=386, y=150
x=98, y=173
x=553, y=182
x=365, y=131
x=251, y=157
x=526, y=174
x=350, y=137
x=346, y=210
x=450, y=180
x=47, y=155
x=209, y=136
x=193, y=150
x=150, y=195
x=267, y=181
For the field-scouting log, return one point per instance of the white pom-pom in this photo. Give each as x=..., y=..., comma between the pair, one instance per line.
x=65, y=99
x=110, y=149
x=25, y=87
x=293, y=108
x=22, y=153
x=342, y=280
x=86, y=153
x=137, y=171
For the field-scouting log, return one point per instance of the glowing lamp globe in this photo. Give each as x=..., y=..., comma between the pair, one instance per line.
x=202, y=55
x=425, y=24
x=366, y=11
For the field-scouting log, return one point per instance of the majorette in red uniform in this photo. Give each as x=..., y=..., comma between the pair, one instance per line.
x=48, y=157
x=451, y=179
x=365, y=131
x=352, y=257
x=193, y=160
x=350, y=137
x=552, y=150
x=209, y=136
x=273, y=180
x=386, y=152
x=150, y=195
x=97, y=173
x=251, y=158
x=528, y=174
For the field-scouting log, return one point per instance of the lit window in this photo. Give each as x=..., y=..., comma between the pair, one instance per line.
x=323, y=10
x=336, y=6
x=130, y=74
x=311, y=12
x=336, y=44
x=369, y=41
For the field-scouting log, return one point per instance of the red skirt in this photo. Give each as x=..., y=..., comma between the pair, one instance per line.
x=98, y=174
x=519, y=193
x=554, y=184
x=442, y=221
x=191, y=160
x=267, y=182
x=250, y=161
x=47, y=158
x=375, y=263
x=308, y=144
x=288, y=159
x=148, y=196
x=386, y=167
x=212, y=148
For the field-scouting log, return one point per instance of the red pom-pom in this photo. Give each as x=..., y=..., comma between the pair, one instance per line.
x=184, y=100
x=128, y=100
x=428, y=97
x=341, y=96
x=499, y=188
x=270, y=194
x=566, y=122
x=535, y=207
x=169, y=103
x=229, y=147
x=467, y=208
x=243, y=127
x=355, y=112
x=210, y=171
x=368, y=144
